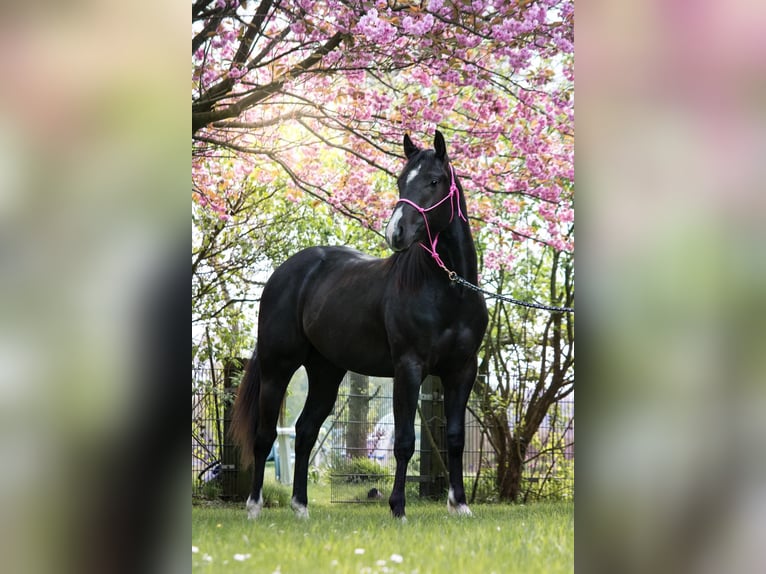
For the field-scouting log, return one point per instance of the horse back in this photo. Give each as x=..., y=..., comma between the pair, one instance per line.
x=328, y=299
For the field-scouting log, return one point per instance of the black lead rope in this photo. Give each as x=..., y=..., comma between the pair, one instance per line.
x=455, y=278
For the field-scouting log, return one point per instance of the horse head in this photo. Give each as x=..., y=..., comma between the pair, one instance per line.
x=428, y=196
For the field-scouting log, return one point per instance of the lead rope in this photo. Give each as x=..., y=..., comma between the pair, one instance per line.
x=454, y=277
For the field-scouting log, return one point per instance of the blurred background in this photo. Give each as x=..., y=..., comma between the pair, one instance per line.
x=94, y=233
x=94, y=175
x=670, y=175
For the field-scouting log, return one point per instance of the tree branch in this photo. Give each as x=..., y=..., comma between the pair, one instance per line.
x=202, y=115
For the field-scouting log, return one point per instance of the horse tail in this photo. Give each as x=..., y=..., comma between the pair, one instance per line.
x=244, y=422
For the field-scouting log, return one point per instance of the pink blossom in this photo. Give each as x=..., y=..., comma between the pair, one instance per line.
x=432, y=114
x=511, y=141
x=375, y=28
x=506, y=31
x=564, y=44
x=468, y=40
x=560, y=245
x=422, y=76
x=435, y=6
x=418, y=27
x=510, y=206
x=236, y=73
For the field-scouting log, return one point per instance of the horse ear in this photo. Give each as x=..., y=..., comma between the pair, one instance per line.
x=440, y=146
x=410, y=148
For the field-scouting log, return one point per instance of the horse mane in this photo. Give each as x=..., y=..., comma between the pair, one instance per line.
x=411, y=268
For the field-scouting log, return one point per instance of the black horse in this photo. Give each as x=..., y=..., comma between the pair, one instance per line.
x=334, y=309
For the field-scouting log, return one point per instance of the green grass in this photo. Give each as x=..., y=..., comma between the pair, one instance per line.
x=364, y=538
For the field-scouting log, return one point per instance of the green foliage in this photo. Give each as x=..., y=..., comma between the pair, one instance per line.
x=358, y=469
x=527, y=364
x=232, y=256
x=556, y=484
x=211, y=490
x=275, y=495
x=486, y=487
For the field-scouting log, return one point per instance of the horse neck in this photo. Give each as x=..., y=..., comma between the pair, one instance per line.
x=456, y=247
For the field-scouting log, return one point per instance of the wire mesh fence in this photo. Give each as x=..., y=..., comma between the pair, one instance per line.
x=361, y=456
x=355, y=446
x=216, y=471
x=207, y=443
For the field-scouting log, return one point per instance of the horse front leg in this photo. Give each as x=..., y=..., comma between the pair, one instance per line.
x=407, y=380
x=457, y=390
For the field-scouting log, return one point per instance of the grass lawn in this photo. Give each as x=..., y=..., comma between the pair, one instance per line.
x=364, y=538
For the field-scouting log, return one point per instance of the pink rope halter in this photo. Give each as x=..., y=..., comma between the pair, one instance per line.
x=454, y=198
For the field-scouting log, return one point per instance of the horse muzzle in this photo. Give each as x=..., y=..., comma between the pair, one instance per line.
x=397, y=235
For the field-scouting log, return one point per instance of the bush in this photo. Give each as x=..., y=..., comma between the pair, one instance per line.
x=211, y=490
x=275, y=495
x=556, y=485
x=486, y=489
x=359, y=470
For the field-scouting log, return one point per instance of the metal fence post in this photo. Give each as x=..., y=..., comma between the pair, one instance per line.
x=236, y=480
x=433, y=480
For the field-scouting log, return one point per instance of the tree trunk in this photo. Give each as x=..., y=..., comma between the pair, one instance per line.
x=510, y=452
x=510, y=467
x=358, y=408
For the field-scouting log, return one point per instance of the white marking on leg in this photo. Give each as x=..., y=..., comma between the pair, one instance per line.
x=254, y=508
x=300, y=510
x=455, y=508
x=393, y=223
x=412, y=175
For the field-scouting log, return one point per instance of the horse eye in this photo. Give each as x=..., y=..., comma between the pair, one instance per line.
x=434, y=181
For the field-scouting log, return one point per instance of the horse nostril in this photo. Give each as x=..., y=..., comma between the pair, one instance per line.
x=395, y=237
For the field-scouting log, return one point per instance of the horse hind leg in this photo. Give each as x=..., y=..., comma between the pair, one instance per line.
x=274, y=380
x=324, y=380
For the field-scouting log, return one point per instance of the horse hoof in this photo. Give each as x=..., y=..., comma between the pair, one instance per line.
x=399, y=515
x=254, y=508
x=461, y=509
x=300, y=510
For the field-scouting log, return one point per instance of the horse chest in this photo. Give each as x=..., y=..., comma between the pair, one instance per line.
x=439, y=326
